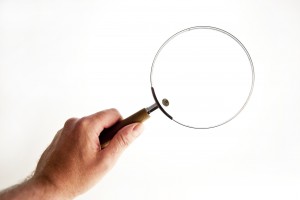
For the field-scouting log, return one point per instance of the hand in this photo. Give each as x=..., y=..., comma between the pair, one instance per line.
x=74, y=161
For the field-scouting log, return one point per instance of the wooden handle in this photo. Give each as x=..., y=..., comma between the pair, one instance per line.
x=107, y=134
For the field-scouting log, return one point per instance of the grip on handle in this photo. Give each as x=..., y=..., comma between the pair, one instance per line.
x=107, y=134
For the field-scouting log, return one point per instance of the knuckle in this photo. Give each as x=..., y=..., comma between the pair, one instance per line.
x=123, y=141
x=82, y=123
x=112, y=110
x=70, y=122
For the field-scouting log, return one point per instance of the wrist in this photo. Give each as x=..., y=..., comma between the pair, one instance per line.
x=35, y=188
x=44, y=188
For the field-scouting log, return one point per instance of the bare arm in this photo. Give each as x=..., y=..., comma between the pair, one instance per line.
x=74, y=161
x=32, y=189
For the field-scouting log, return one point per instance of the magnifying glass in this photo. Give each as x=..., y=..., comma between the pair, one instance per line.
x=201, y=77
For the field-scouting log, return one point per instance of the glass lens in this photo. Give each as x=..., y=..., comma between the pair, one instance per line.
x=202, y=77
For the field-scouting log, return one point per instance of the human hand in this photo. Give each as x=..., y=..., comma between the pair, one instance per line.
x=74, y=161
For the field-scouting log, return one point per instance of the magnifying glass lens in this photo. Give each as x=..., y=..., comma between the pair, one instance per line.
x=206, y=76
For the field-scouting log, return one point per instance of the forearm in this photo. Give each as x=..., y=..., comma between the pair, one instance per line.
x=32, y=189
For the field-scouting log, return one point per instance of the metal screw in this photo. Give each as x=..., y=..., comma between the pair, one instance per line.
x=165, y=102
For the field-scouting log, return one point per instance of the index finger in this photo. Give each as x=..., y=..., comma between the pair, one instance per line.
x=103, y=119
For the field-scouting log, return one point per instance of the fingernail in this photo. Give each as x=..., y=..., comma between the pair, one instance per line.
x=137, y=129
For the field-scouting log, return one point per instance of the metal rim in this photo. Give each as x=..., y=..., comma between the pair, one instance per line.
x=215, y=29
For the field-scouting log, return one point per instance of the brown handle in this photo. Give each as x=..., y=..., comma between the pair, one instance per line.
x=107, y=134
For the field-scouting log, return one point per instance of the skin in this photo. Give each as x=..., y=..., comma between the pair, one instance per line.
x=74, y=161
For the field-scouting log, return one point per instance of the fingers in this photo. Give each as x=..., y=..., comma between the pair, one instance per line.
x=120, y=142
x=106, y=117
x=100, y=120
x=125, y=137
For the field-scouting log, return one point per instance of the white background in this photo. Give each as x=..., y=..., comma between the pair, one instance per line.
x=62, y=59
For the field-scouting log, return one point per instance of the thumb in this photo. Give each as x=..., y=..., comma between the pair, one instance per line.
x=122, y=140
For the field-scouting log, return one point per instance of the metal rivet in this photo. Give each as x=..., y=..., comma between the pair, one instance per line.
x=165, y=102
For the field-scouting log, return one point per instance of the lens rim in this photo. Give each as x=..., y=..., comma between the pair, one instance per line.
x=195, y=28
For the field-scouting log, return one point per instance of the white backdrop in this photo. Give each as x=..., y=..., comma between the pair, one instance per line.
x=62, y=59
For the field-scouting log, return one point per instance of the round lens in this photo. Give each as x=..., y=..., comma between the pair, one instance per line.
x=202, y=77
